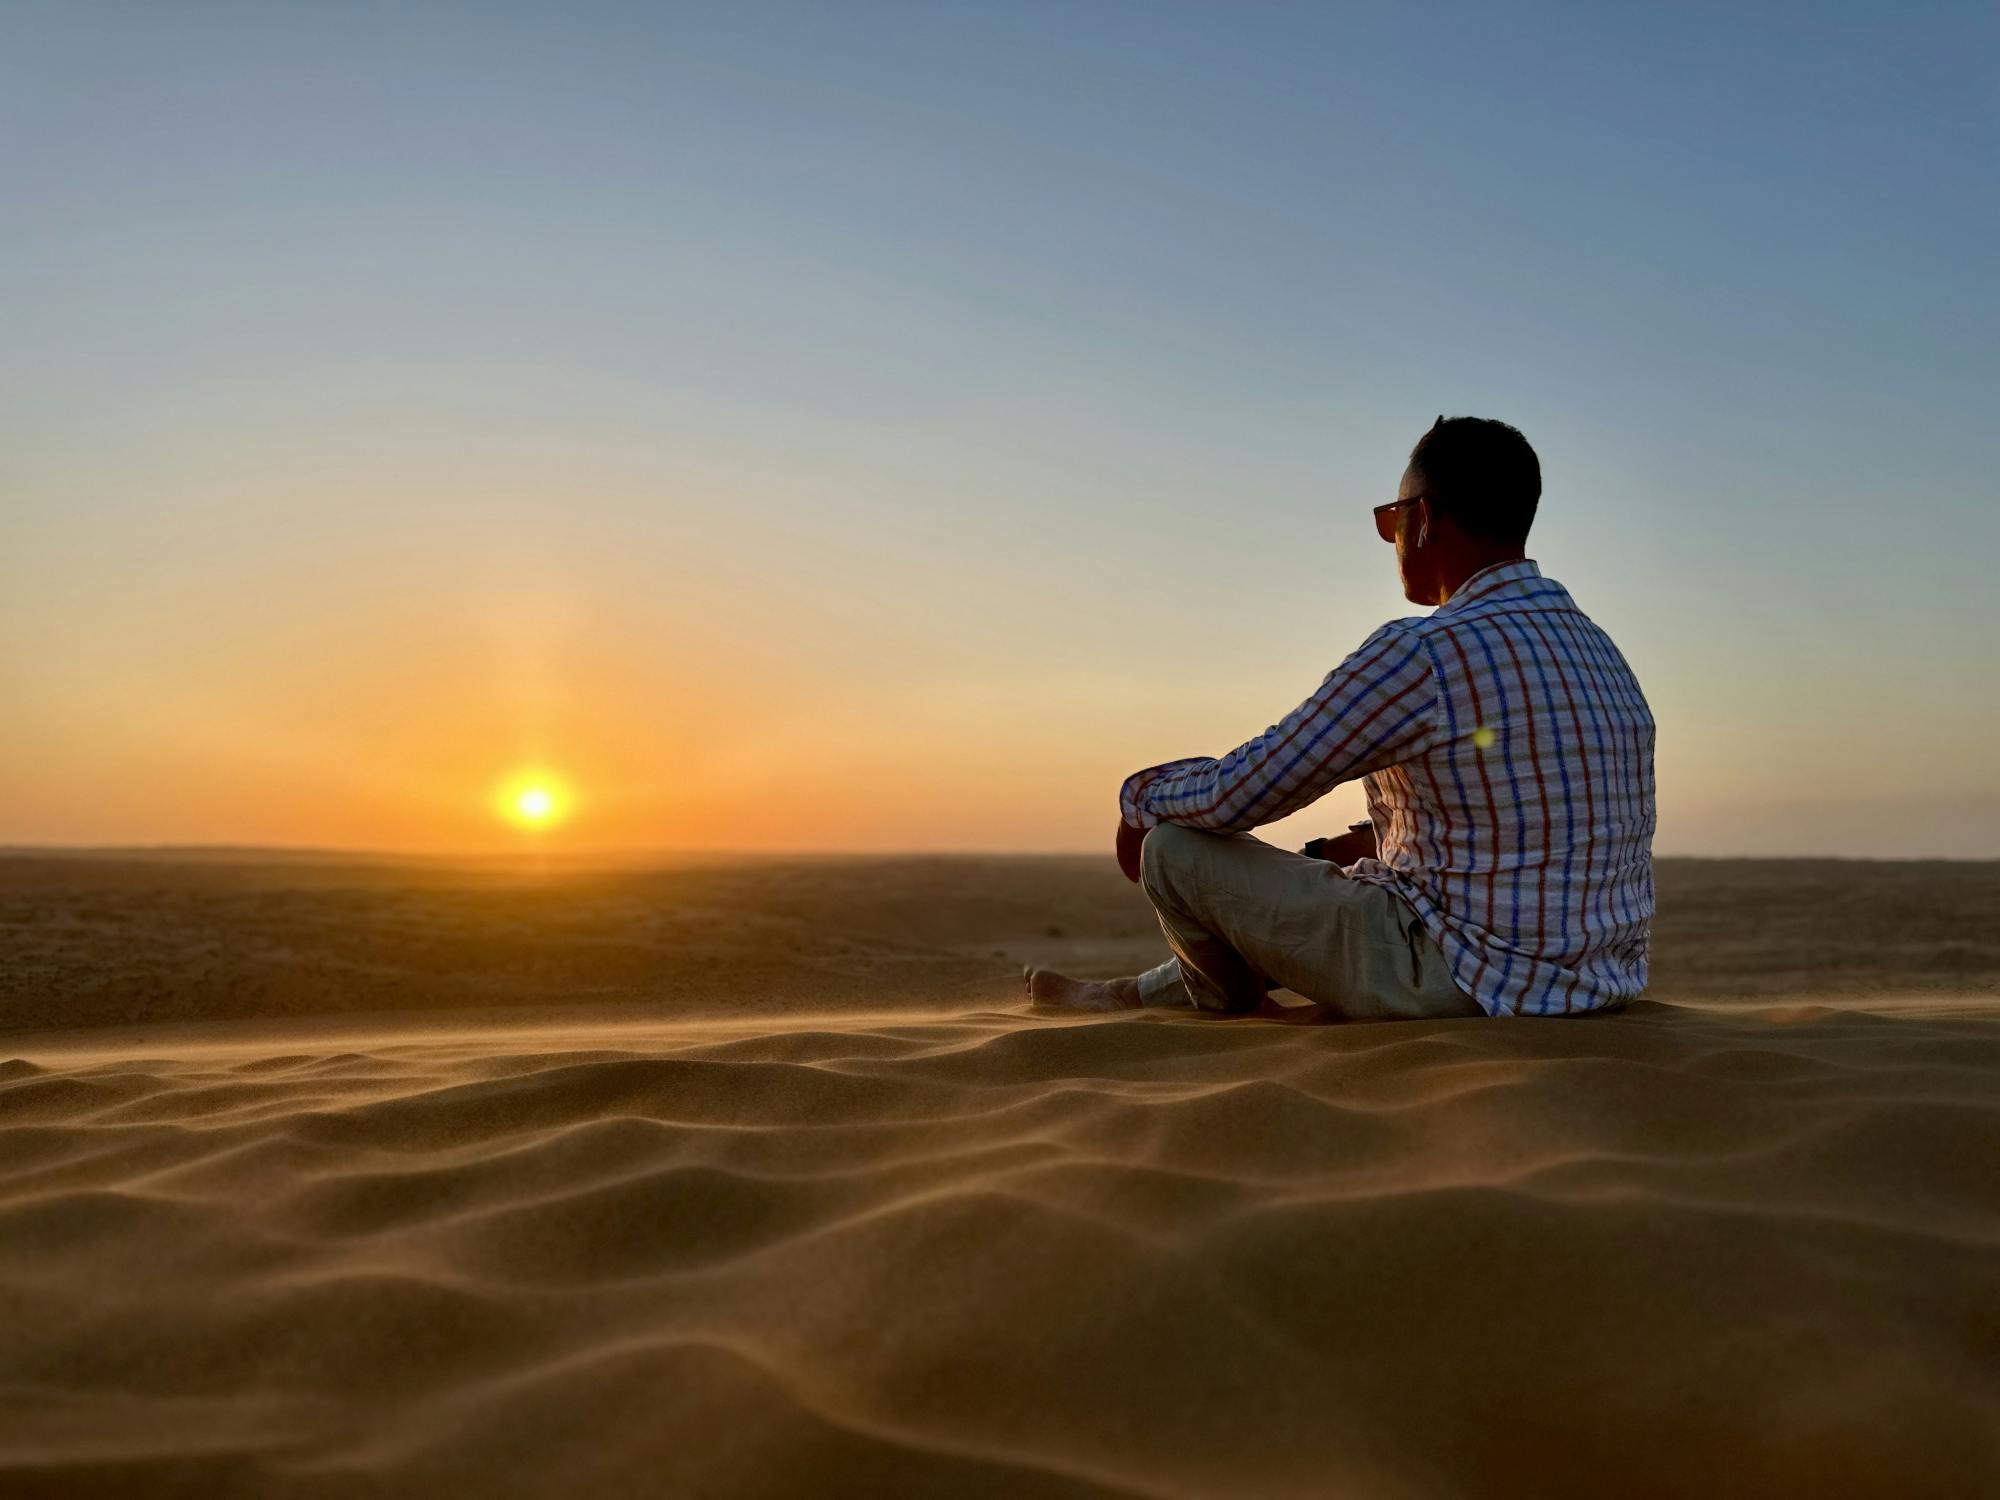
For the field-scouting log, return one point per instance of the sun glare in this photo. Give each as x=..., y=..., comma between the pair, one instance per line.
x=534, y=801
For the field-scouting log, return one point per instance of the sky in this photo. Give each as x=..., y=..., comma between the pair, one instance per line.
x=885, y=426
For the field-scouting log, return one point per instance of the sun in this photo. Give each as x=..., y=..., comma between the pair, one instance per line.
x=534, y=800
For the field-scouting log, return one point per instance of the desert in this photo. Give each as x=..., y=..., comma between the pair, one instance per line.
x=328, y=1175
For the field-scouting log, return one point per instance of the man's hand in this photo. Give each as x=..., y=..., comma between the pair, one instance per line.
x=1129, y=840
x=1357, y=843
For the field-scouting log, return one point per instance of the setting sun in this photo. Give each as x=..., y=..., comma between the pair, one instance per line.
x=534, y=801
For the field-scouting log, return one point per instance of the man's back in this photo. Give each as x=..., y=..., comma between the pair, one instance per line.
x=1521, y=827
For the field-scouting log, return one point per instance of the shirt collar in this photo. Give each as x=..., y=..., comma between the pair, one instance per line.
x=1501, y=578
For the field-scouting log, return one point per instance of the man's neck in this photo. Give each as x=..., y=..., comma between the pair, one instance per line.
x=1474, y=564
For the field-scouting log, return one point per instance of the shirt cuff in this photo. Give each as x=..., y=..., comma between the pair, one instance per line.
x=1132, y=795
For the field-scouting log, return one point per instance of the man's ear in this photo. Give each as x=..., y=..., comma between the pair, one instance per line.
x=1423, y=521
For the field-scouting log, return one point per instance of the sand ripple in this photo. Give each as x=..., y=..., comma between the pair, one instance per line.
x=1678, y=1251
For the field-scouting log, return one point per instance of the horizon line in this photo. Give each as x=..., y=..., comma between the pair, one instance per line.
x=635, y=854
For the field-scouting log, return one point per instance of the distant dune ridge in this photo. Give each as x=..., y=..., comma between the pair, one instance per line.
x=308, y=1187
x=132, y=937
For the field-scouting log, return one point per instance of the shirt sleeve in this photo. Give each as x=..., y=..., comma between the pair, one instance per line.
x=1376, y=709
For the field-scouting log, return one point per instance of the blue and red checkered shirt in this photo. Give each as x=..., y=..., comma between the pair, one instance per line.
x=1507, y=753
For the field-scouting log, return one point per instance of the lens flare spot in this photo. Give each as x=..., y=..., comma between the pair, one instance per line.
x=1484, y=737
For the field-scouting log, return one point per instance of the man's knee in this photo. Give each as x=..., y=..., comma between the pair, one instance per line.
x=1166, y=849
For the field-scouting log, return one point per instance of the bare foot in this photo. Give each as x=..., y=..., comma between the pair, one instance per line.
x=1047, y=987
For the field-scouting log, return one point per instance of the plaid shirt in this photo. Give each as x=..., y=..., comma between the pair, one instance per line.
x=1507, y=753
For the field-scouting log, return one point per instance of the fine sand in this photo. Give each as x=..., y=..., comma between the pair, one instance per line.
x=328, y=1178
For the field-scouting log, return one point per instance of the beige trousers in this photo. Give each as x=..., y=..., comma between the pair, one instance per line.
x=1243, y=917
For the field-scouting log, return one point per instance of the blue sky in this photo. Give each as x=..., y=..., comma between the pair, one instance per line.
x=949, y=409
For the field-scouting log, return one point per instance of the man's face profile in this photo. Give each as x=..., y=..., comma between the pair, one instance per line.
x=1412, y=538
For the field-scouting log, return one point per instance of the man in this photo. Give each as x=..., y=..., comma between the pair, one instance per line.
x=1507, y=756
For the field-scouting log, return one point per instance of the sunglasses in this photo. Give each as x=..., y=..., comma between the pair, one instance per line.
x=1385, y=516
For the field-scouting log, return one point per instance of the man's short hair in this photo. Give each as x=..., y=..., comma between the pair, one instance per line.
x=1482, y=474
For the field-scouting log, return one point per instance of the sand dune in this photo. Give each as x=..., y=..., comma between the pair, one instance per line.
x=1684, y=1250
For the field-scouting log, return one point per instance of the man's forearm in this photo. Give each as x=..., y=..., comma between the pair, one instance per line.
x=1376, y=708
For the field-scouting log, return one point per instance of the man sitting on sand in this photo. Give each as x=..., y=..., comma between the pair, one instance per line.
x=1507, y=753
